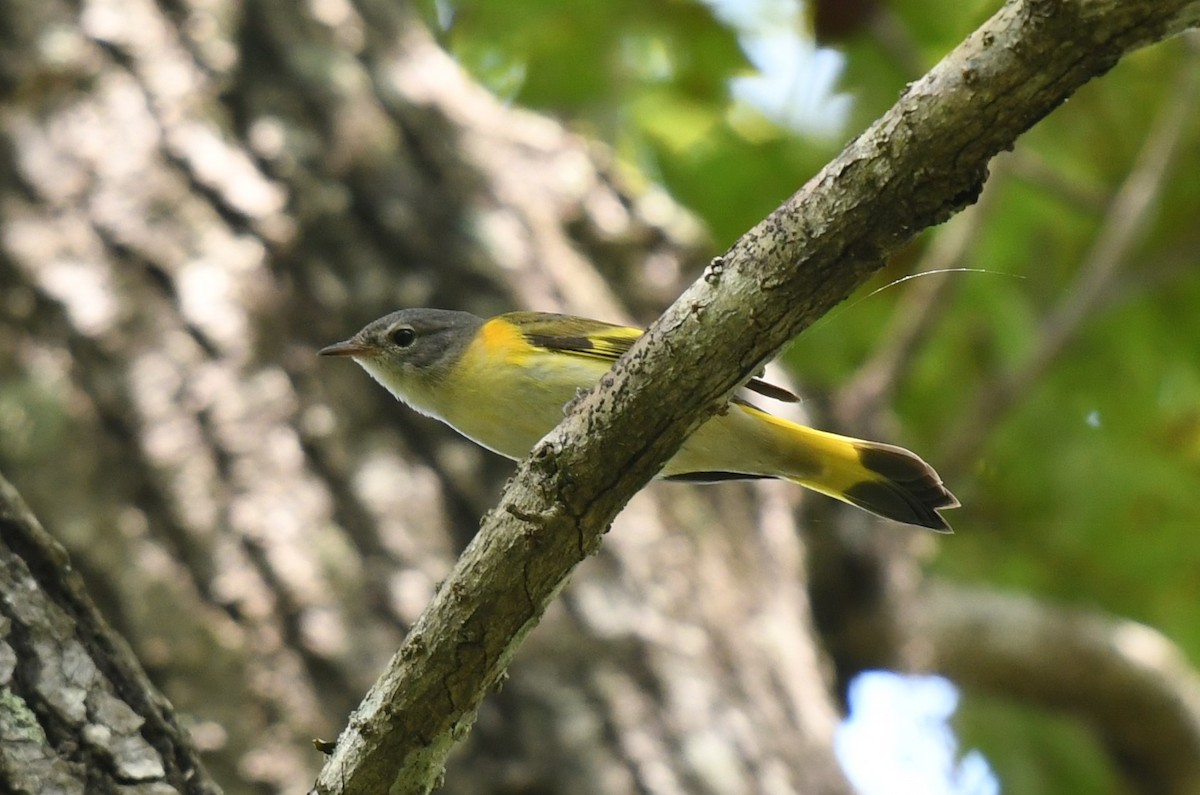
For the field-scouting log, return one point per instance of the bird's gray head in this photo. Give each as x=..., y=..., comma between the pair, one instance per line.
x=410, y=348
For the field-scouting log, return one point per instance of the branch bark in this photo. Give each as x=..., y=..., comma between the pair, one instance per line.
x=924, y=159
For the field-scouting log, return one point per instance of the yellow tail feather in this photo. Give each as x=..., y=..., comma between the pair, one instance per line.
x=886, y=480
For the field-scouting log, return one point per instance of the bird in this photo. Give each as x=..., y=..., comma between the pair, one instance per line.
x=506, y=381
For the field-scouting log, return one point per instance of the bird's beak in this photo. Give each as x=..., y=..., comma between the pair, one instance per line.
x=347, y=348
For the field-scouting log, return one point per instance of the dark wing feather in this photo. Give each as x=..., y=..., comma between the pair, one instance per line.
x=767, y=389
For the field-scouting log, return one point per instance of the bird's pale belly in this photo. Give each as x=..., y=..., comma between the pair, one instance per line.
x=510, y=415
x=510, y=412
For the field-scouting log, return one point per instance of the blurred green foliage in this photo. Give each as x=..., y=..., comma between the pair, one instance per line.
x=1065, y=756
x=1084, y=488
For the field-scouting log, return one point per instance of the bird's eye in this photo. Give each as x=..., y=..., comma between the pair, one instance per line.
x=403, y=336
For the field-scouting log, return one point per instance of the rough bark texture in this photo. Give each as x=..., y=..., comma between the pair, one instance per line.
x=77, y=714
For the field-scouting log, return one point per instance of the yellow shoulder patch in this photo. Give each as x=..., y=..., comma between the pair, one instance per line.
x=500, y=338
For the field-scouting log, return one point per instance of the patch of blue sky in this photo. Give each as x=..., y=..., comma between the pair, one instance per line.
x=897, y=739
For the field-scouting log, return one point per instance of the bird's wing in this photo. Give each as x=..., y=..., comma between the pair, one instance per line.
x=574, y=335
x=598, y=340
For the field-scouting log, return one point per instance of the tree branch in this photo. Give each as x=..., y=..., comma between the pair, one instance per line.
x=923, y=160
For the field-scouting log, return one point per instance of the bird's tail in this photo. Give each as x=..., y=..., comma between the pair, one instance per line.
x=886, y=480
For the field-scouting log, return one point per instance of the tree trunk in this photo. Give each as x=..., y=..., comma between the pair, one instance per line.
x=79, y=714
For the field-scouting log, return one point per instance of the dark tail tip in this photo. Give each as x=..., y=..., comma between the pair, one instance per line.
x=908, y=490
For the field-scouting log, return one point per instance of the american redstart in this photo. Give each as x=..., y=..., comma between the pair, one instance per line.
x=504, y=383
